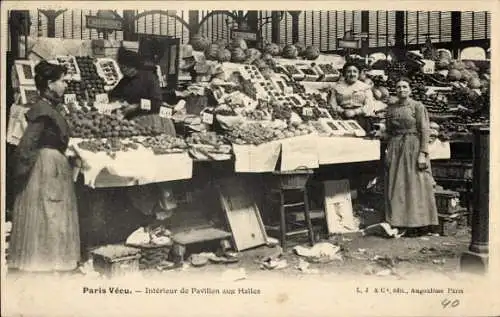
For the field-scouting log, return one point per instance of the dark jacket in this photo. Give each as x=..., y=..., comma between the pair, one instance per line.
x=144, y=85
x=47, y=128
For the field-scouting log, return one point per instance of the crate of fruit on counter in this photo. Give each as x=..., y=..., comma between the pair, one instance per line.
x=73, y=71
x=109, y=70
x=326, y=71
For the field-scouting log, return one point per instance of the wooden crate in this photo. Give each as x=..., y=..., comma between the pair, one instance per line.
x=452, y=169
x=449, y=224
x=116, y=260
x=447, y=201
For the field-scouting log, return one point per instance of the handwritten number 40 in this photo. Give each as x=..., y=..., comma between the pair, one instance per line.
x=450, y=304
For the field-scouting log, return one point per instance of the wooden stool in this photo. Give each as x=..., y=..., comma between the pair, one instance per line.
x=294, y=181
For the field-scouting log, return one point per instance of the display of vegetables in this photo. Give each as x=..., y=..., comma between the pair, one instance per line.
x=290, y=51
x=164, y=144
x=311, y=52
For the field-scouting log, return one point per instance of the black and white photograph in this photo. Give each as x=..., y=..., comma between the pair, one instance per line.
x=171, y=153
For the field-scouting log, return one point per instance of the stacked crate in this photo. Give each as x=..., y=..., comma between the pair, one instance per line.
x=451, y=215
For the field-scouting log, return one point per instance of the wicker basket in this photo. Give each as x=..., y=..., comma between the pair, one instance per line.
x=447, y=201
x=295, y=179
x=153, y=255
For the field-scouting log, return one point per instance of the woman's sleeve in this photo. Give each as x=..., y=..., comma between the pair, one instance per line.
x=369, y=102
x=27, y=150
x=332, y=99
x=423, y=126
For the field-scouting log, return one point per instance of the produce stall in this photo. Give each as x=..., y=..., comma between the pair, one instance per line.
x=266, y=110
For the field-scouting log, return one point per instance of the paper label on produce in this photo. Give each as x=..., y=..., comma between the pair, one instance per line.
x=307, y=111
x=429, y=66
x=69, y=98
x=208, y=118
x=165, y=112
x=102, y=98
x=145, y=104
x=103, y=108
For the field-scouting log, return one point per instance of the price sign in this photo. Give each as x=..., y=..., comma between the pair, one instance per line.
x=165, y=112
x=102, y=98
x=307, y=111
x=146, y=104
x=208, y=118
x=103, y=108
x=429, y=66
x=69, y=98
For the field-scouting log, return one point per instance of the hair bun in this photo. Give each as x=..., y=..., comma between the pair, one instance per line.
x=42, y=67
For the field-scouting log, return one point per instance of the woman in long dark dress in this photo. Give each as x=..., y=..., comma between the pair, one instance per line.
x=409, y=193
x=45, y=232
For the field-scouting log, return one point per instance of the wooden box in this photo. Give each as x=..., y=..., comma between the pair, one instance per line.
x=449, y=224
x=447, y=201
x=116, y=260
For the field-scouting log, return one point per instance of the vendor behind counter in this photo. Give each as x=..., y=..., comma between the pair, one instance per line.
x=140, y=90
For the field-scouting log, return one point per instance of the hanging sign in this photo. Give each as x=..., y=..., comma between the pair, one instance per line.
x=349, y=44
x=252, y=37
x=95, y=22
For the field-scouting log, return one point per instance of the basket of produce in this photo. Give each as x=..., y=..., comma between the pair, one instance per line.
x=155, y=246
x=292, y=179
x=115, y=260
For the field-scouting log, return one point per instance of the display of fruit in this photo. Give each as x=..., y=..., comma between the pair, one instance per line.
x=290, y=51
x=248, y=88
x=206, y=138
x=256, y=115
x=301, y=48
x=252, y=54
x=329, y=72
x=221, y=43
x=311, y=52
x=224, y=55
x=212, y=52
x=164, y=144
x=257, y=133
x=281, y=110
x=91, y=83
x=199, y=42
x=71, y=65
x=108, y=69
x=109, y=146
x=238, y=55
x=272, y=49
x=92, y=124
x=239, y=43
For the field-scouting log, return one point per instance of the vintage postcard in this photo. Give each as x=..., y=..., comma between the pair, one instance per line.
x=272, y=158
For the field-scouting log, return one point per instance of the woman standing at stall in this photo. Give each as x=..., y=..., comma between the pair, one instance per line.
x=352, y=98
x=45, y=231
x=409, y=194
x=141, y=91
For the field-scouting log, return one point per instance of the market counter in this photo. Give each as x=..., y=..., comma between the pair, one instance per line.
x=129, y=168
